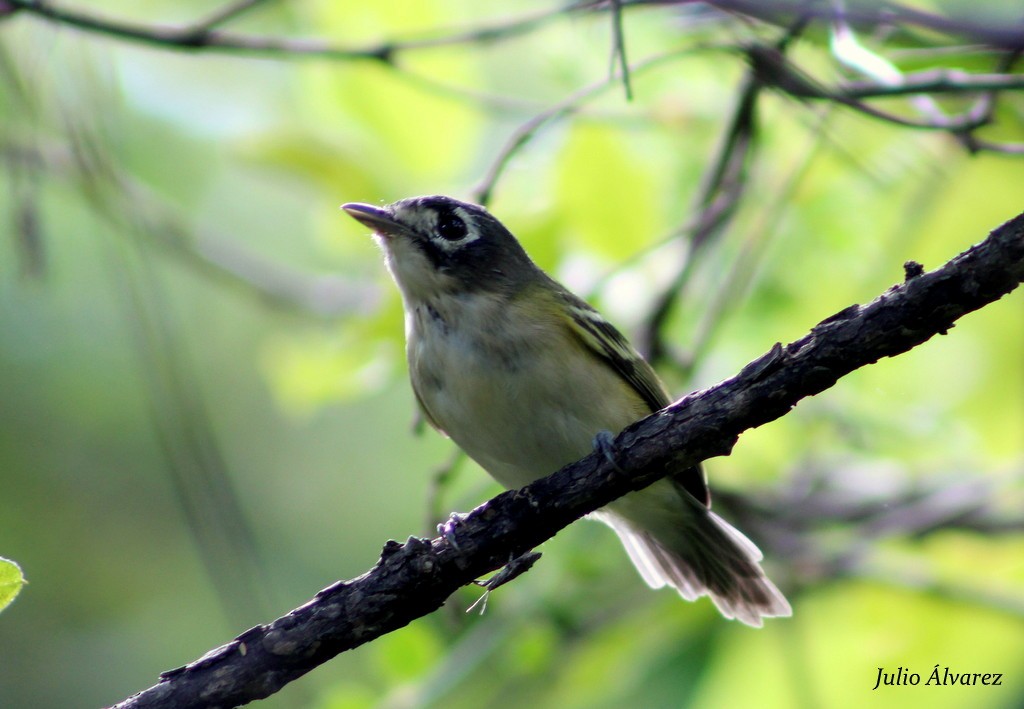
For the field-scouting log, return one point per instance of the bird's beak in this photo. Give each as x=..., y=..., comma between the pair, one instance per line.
x=377, y=218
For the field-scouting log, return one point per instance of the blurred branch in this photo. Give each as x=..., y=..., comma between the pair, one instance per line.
x=415, y=578
x=868, y=14
x=195, y=461
x=203, y=36
x=979, y=144
x=178, y=409
x=773, y=69
x=721, y=189
x=855, y=518
x=936, y=81
x=226, y=14
x=526, y=131
x=25, y=220
x=719, y=195
x=212, y=255
x=987, y=107
x=619, y=49
x=788, y=518
x=736, y=282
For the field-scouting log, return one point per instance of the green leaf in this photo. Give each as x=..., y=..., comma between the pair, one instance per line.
x=11, y=581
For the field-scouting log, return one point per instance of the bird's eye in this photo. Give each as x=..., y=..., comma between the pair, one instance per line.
x=451, y=227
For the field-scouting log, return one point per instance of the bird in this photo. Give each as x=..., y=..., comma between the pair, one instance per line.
x=524, y=376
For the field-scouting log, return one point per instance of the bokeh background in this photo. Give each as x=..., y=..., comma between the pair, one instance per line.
x=204, y=415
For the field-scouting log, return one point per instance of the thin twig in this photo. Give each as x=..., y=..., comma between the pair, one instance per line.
x=202, y=36
x=195, y=462
x=226, y=14
x=738, y=281
x=979, y=145
x=525, y=132
x=987, y=103
x=619, y=49
x=935, y=81
x=774, y=69
x=212, y=255
x=871, y=15
x=721, y=188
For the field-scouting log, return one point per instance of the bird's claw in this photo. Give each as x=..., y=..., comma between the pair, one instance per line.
x=448, y=528
x=604, y=444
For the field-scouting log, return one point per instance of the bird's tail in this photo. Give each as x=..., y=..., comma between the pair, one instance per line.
x=696, y=552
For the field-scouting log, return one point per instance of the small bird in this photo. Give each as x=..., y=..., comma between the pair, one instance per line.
x=525, y=376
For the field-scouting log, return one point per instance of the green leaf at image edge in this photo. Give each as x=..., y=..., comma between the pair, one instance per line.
x=11, y=581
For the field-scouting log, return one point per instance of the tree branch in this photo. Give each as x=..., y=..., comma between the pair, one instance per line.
x=934, y=81
x=773, y=69
x=871, y=14
x=227, y=13
x=126, y=203
x=414, y=579
x=203, y=35
x=527, y=130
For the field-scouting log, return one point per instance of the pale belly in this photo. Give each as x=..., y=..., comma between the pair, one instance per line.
x=524, y=421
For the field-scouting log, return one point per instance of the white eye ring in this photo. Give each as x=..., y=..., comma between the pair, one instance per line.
x=451, y=245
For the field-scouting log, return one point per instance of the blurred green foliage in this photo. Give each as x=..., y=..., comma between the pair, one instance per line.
x=186, y=319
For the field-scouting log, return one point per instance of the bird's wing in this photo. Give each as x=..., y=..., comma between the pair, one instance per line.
x=606, y=342
x=601, y=338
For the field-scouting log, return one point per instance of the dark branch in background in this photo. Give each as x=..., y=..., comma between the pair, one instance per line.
x=733, y=285
x=722, y=187
x=773, y=69
x=935, y=81
x=214, y=256
x=415, y=578
x=203, y=36
x=619, y=49
x=225, y=14
x=789, y=517
x=25, y=219
x=987, y=108
x=869, y=15
x=791, y=521
x=717, y=199
x=177, y=406
x=784, y=13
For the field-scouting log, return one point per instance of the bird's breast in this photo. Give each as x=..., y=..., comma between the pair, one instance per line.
x=519, y=396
